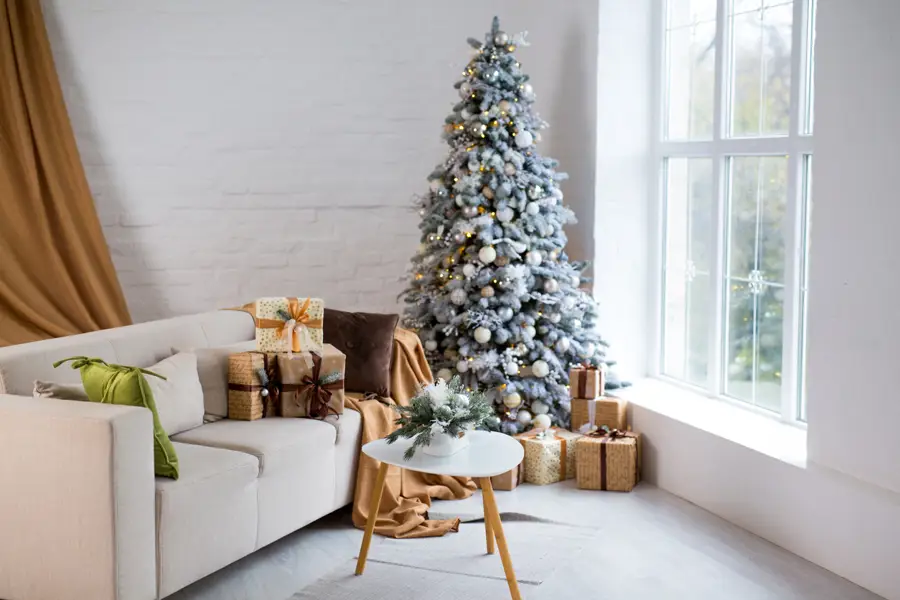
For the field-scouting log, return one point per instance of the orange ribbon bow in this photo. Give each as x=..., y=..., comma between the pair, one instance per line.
x=295, y=327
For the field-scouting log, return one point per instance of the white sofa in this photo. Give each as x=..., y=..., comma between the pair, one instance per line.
x=82, y=516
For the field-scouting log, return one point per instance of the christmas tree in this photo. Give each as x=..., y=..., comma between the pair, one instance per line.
x=492, y=293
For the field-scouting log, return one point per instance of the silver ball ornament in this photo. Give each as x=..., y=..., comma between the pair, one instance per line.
x=524, y=139
x=533, y=258
x=501, y=336
x=576, y=280
x=562, y=345
x=458, y=297
x=541, y=421
x=555, y=317
x=505, y=214
x=532, y=208
x=529, y=332
x=524, y=417
x=445, y=374
x=540, y=368
x=551, y=286
x=469, y=212
x=511, y=368
x=482, y=335
x=539, y=408
x=459, y=237
x=430, y=345
x=505, y=313
x=487, y=254
x=569, y=302
x=462, y=366
x=469, y=270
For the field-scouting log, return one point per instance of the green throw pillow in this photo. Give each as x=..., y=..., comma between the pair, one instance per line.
x=126, y=386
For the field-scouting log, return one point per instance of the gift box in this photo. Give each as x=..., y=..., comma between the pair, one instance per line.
x=608, y=460
x=312, y=385
x=549, y=455
x=586, y=382
x=252, y=385
x=289, y=324
x=507, y=481
x=594, y=414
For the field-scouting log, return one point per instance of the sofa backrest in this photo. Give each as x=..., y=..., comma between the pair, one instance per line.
x=139, y=345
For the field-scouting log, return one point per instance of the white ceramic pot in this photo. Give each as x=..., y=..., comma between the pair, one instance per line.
x=444, y=444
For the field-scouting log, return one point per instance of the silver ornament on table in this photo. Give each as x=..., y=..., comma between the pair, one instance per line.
x=458, y=297
x=487, y=292
x=501, y=261
x=551, y=286
x=505, y=214
x=470, y=211
x=509, y=169
x=533, y=258
x=505, y=313
x=501, y=38
x=535, y=192
x=469, y=270
x=532, y=208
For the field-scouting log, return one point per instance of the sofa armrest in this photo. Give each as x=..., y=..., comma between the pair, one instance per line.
x=77, y=511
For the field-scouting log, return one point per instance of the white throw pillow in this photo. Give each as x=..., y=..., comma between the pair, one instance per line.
x=212, y=368
x=179, y=398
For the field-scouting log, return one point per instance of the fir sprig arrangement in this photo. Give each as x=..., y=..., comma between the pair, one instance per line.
x=441, y=407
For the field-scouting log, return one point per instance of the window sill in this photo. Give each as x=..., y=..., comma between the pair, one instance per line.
x=762, y=433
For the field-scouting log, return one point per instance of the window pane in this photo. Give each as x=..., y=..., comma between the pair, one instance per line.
x=804, y=283
x=691, y=61
x=688, y=264
x=760, y=67
x=757, y=213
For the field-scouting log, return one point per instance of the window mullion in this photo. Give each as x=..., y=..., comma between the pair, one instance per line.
x=717, y=288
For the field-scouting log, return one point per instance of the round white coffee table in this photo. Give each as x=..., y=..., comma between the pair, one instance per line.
x=488, y=454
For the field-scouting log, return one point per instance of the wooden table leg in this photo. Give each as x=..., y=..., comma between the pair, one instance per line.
x=497, y=527
x=373, y=517
x=488, y=531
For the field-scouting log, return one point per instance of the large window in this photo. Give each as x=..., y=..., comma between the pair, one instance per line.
x=735, y=151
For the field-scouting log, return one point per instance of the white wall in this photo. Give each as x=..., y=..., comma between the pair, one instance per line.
x=240, y=148
x=854, y=321
x=842, y=510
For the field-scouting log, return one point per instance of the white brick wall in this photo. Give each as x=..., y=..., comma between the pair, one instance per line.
x=240, y=148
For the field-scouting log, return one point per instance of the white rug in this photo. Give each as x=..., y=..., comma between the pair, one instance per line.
x=456, y=565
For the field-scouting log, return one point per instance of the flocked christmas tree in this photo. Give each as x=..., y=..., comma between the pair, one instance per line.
x=492, y=292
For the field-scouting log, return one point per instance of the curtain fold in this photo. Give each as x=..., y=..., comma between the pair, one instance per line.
x=56, y=274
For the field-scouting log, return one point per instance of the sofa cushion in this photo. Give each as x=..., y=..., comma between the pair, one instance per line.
x=212, y=368
x=208, y=517
x=368, y=341
x=297, y=467
x=179, y=397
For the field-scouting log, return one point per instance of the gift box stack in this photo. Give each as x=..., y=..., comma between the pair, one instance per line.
x=607, y=455
x=292, y=373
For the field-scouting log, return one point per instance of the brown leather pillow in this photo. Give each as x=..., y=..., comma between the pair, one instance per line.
x=368, y=341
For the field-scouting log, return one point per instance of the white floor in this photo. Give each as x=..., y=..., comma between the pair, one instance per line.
x=680, y=551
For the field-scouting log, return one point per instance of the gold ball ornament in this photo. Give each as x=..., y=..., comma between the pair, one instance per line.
x=512, y=400
x=487, y=292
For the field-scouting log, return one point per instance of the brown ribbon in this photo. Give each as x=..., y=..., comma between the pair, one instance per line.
x=298, y=313
x=563, y=455
x=607, y=435
x=581, y=375
x=318, y=394
x=270, y=364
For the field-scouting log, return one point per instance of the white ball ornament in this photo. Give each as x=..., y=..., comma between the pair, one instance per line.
x=576, y=280
x=563, y=344
x=551, y=286
x=511, y=368
x=532, y=208
x=509, y=169
x=469, y=270
x=533, y=258
x=505, y=214
x=555, y=317
x=539, y=408
x=482, y=335
x=445, y=374
x=529, y=332
x=505, y=313
x=487, y=255
x=540, y=368
x=524, y=417
x=430, y=345
x=462, y=366
x=512, y=400
x=541, y=421
x=524, y=139
x=458, y=296
x=569, y=302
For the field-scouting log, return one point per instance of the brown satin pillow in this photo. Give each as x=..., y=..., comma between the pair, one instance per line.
x=368, y=341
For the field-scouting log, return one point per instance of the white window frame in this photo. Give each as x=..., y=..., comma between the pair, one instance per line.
x=797, y=145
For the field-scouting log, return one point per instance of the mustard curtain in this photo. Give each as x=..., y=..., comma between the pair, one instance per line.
x=56, y=275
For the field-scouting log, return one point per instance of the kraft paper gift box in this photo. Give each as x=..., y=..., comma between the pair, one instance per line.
x=508, y=481
x=312, y=385
x=608, y=460
x=252, y=386
x=586, y=382
x=285, y=324
x=590, y=414
x=549, y=455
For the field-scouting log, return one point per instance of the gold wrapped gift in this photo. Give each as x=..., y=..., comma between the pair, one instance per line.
x=289, y=325
x=586, y=382
x=609, y=460
x=588, y=415
x=549, y=455
x=252, y=385
x=312, y=385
